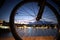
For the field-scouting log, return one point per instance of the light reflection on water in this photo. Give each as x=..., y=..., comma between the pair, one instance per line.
x=30, y=31
x=36, y=31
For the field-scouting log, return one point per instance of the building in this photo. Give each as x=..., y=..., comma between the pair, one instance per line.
x=1, y=22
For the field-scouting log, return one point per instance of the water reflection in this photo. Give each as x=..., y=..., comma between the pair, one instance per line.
x=36, y=31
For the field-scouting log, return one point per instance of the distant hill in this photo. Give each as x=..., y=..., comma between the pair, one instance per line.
x=42, y=22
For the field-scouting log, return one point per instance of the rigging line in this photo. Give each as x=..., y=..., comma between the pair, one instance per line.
x=22, y=18
x=49, y=17
x=26, y=20
x=28, y=12
x=33, y=9
x=51, y=14
x=21, y=14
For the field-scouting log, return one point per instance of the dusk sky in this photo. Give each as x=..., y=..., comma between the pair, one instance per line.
x=9, y=5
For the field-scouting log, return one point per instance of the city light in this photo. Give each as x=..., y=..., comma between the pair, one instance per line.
x=4, y=27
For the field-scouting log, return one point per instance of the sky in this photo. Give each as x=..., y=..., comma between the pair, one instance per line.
x=6, y=9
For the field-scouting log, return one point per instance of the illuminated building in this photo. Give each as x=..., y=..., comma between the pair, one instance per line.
x=1, y=22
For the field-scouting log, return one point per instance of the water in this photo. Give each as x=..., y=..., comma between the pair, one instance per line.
x=36, y=32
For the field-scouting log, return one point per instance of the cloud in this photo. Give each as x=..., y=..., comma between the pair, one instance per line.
x=49, y=20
